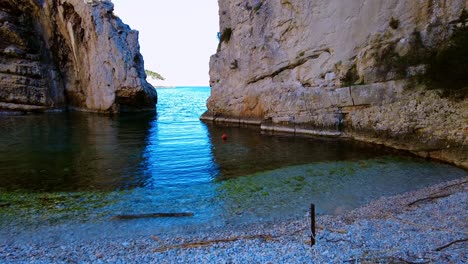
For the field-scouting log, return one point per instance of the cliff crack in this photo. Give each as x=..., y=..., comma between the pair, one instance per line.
x=351, y=95
x=291, y=66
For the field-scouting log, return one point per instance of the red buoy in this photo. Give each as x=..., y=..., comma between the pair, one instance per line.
x=224, y=137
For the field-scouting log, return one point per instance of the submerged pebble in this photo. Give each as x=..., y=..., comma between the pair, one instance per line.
x=387, y=230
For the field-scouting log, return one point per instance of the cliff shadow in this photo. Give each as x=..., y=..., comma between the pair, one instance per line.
x=73, y=151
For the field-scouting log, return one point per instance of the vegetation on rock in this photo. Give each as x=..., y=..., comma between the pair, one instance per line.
x=351, y=77
x=394, y=23
x=443, y=67
x=258, y=6
x=225, y=37
x=448, y=67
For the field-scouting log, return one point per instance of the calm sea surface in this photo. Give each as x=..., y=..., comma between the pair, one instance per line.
x=77, y=169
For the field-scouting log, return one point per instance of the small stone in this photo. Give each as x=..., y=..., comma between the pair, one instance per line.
x=126, y=244
x=13, y=50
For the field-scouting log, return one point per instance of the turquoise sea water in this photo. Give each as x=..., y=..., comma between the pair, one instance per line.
x=77, y=170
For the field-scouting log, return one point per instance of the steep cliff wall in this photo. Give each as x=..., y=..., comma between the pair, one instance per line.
x=69, y=53
x=367, y=69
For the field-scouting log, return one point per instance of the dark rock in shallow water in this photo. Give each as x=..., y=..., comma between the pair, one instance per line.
x=70, y=53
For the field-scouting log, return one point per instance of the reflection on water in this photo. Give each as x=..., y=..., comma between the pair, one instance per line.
x=172, y=162
x=248, y=151
x=73, y=151
x=85, y=151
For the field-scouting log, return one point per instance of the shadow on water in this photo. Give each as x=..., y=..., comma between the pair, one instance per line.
x=73, y=151
x=247, y=151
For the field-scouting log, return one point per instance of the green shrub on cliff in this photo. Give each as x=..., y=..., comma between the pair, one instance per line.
x=448, y=68
x=445, y=65
x=225, y=37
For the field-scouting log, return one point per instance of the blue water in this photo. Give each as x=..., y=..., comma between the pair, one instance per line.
x=170, y=161
x=179, y=145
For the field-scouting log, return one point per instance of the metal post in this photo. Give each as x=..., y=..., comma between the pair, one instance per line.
x=312, y=224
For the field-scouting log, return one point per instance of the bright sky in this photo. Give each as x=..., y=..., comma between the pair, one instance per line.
x=177, y=37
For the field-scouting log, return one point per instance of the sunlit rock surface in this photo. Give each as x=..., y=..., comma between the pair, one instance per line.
x=70, y=53
x=340, y=68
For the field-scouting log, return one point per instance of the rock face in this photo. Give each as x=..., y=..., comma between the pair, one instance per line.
x=70, y=53
x=344, y=68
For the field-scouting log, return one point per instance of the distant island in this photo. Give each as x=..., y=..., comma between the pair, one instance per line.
x=157, y=77
x=154, y=75
x=165, y=87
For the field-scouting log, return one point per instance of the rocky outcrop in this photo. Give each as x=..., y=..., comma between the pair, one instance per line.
x=361, y=69
x=70, y=53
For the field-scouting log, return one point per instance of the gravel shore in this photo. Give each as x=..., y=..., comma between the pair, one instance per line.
x=426, y=226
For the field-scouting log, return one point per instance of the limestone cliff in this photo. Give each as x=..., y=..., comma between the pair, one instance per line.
x=366, y=69
x=70, y=53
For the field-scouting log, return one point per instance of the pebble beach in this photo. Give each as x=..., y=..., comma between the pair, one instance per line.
x=425, y=226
